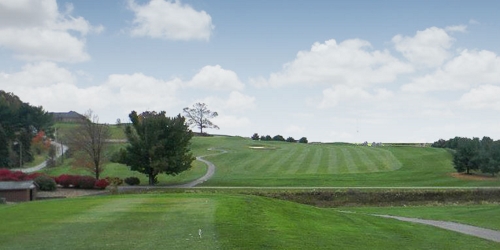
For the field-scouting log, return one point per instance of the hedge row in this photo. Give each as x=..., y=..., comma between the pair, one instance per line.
x=354, y=197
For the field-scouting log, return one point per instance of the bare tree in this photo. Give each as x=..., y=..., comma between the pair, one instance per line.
x=199, y=116
x=88, y=142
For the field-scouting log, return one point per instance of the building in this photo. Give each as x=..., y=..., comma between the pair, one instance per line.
x=18, y=191
x=70, y=116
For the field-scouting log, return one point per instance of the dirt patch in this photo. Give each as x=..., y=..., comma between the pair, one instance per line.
x=473, y=177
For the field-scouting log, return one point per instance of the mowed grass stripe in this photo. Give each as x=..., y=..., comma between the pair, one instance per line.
x=297, y=164
x=324, y=163
x=285, y=162
x=333, y=160
x=350, y=164
x=268, y=161
x=343, y=167
x=384, y=159
x=306, y=161
x=358, y=162
x=365, y=163
x=315, y=163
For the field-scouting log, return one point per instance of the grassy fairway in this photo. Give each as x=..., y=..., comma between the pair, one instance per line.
x=250, y=163
x=477, y=215
x=171, y=221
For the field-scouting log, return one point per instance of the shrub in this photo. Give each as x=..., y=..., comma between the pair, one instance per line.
x=101, y=184
x=64, y=180
x=86, y=182
x=114, y=181
x=45, y=183
x=132, y=181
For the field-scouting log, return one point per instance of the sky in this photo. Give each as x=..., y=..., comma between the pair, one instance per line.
x=331, y=71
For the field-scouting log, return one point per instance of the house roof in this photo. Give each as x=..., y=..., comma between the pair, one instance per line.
x=17, y=185
x=70, y=114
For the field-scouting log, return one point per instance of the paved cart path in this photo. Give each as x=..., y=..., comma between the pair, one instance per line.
x=453, y=226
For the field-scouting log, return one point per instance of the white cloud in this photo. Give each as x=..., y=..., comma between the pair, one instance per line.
x=456, y=28
x=216, y=78
x=482, y=97
x=36, y=30
x=470, y=68
x=57, y=89
x=427, y=48
x=349, y=62
x=236, y=102
x=170, y=20
x=346, y=94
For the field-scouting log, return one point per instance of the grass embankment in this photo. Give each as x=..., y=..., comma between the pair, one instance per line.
x=485, y=215
x=172, y=221
x=251, y=163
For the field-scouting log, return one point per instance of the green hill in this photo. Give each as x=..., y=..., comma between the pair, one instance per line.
x=282, y=164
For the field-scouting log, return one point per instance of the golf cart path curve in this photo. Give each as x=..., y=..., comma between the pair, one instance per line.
x=210, y=170
x=42, y=165
x=480, y=232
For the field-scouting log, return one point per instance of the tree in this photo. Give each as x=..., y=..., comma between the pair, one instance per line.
x=199, y=116
x=4, y=149
x=89, y=142
x=157, y=144
x=466, y=157
x=255, y=137
x=278, y=138
x=303, y=140
x=290, y=139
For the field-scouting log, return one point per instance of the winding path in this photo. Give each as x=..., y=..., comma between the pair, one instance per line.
x=210, y=172
x=453, y=226
x=59, y=153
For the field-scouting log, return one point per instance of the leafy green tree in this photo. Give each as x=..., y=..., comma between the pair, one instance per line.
x=278, y=138
x=255, y=137
x=490, y=159
x=466, y=157
x=157, y=144
x=290, y=139
x=268, y=138
x=303, y=140
x=199, y=116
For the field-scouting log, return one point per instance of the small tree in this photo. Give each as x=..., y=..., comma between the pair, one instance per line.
x=157, y=144
x=88, y=142
x=255, y=137
x=199, y=116
x=290, y=139
x=303, y=140
x=278, y=138
x=466, y=157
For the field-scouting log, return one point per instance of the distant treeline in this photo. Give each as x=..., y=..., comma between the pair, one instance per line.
x=473, y=154
x=256, y=137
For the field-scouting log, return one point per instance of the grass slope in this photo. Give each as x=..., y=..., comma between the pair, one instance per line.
x=250, y=163
x=172, y=221
x=477, y=215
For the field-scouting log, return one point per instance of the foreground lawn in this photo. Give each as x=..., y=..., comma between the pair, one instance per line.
x=274, y=164
x=477, y=215
x=172, y=221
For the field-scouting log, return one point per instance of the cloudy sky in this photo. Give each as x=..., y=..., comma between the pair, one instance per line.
x=354, y=71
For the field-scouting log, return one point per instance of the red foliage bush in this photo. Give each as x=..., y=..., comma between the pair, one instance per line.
x=101, y=184
x=7, y=175
x=66, y=180
x=85, y=182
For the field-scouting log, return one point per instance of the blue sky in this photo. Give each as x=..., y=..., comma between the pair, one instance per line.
x=354, y=71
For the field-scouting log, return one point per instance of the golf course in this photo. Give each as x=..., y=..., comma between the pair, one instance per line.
x=226, y=211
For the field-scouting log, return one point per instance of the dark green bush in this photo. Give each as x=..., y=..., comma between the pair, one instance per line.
x=132, y=181
x=45, y=183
